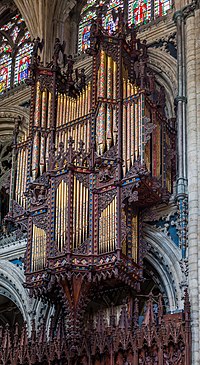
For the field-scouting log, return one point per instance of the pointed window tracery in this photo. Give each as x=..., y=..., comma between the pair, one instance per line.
x=139, y=12
x=15, y=53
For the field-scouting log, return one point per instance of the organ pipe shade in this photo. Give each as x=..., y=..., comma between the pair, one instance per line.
x=107, y=228
x=61, y=215
x=38, y=258
x=21, y=176
x=80, y=213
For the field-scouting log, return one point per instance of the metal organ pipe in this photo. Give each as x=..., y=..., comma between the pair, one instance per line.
x=21, y=175
x=61, y=215
x=36, y=140
x=107, y=228
x=69, y=112
x=109, y=106
x=38, y=248
x=80, y=213
x=100, y=123
x=43, y=129
x=124, y=131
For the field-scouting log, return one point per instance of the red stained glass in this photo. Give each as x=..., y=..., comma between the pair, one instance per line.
x=19, y=45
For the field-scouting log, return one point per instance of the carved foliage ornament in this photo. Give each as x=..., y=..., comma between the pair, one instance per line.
x=104, y=199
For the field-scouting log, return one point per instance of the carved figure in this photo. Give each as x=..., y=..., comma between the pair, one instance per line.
x=37, y=45
x=58, y=47
x=94, y=39
x=82, y=77
x=70, y=70
x=106, y=174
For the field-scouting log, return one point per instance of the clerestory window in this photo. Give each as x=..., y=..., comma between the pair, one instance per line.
x=15, y=53
x=138, y=12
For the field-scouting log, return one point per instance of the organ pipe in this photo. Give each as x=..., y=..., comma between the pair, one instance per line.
x=21, y=176
x=107, y=228
x=80, y=213
x=61, y=215
x=109, y=97
x=38, y=248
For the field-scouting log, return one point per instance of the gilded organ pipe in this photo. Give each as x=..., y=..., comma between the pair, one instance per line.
x=136, y=131
x=115, y=129
x=107, y=228
x=100, y=123
x=129, y=128
x=80, y=213
x=109, y=109
x=124, y=132
x=38, y=248
x=61, y=215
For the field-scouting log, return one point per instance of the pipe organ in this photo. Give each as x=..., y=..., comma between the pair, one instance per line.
x=96, y=156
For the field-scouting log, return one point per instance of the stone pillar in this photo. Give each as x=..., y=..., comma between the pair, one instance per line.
x=192, y=32
x=181, y=184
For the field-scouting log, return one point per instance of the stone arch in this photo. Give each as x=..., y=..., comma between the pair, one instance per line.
x=11, y=286
x=165, y=257
x=7, y=120
x=11, y=283
x=165, y=68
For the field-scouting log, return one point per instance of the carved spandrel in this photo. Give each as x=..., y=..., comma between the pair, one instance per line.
x=41, y=221
x=17, y=209
x=83, y=178
x=104, y=199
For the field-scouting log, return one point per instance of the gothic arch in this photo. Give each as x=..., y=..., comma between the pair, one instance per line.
x=11, y=286
x=7, y=119
x=165, y=258
x=165, y=68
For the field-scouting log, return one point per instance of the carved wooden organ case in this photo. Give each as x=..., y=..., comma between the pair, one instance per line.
x=97, y=154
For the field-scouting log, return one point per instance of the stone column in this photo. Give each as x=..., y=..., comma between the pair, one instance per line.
x=192, y=21
x=181, y=185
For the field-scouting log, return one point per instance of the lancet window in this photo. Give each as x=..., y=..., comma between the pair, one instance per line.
x=15, y=53
x=139, y=12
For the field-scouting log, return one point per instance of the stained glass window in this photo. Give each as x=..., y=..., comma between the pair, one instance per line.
x=22, y=63
x=84, y=30
x=161, y=7
x=15, y=53
x=109, y=22
x=143, y=11
x=139, y=12
x=5, y=72
x=89, y=12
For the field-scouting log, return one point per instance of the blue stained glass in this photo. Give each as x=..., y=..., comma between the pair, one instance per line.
x=15, y=30
x=139, y=12
x=22, y=63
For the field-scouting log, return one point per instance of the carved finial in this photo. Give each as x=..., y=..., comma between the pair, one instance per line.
x=70, y=141
x=81, y=145
x=61, y=147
